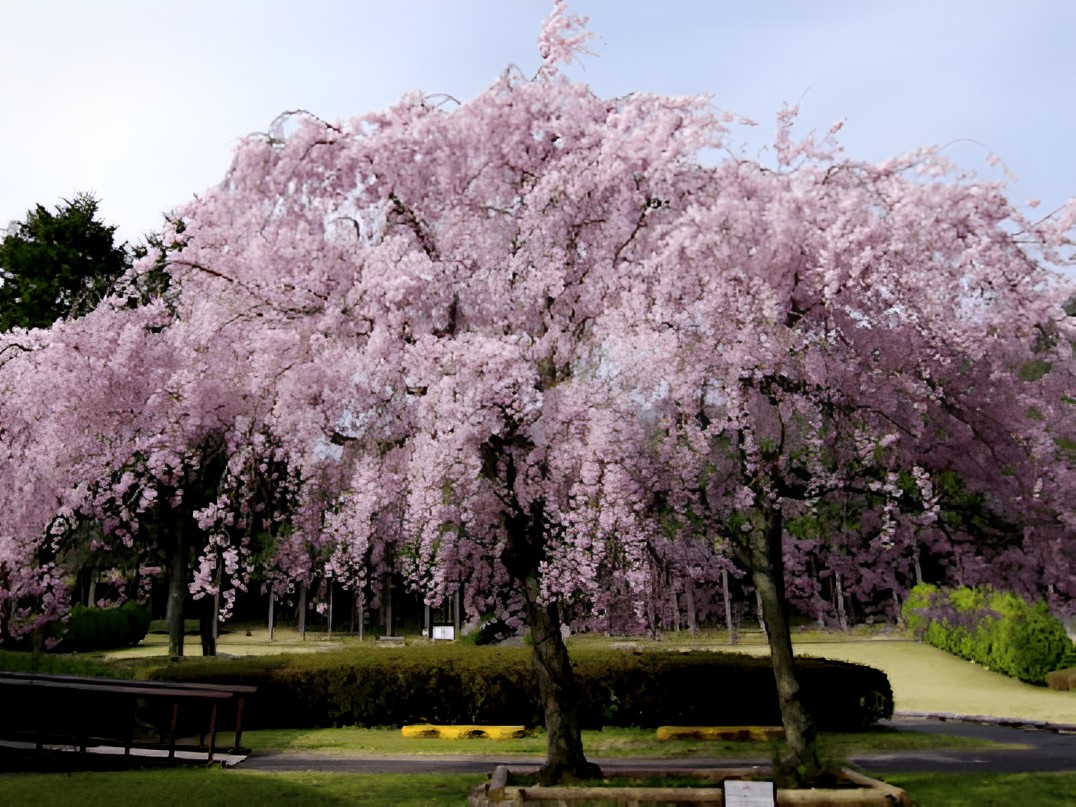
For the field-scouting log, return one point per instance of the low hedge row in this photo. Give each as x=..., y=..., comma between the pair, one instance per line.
x=996, y=629
x=92, y=628
x=494, y=685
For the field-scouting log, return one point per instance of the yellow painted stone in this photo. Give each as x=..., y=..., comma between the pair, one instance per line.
x=738, y=733
x=425, y=730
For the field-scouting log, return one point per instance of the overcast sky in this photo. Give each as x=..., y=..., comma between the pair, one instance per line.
x=141, y=101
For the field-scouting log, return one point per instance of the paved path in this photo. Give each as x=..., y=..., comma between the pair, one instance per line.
x=1047, y=750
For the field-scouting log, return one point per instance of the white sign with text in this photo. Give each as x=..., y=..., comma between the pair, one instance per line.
x=748, y=794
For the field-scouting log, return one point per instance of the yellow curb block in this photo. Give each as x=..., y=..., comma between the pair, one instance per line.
x=424, y=730
x=739, y=733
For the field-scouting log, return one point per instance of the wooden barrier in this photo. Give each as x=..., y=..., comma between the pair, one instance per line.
x=61, y=708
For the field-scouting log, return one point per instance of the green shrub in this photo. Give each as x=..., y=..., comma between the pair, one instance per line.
x=56, y=664
x=92, y=628
x=915, y=606
x=1063, y=680
x=997, y=629
x=450, y=684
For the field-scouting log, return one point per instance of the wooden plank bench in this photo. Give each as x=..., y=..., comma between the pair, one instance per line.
x=52, y=707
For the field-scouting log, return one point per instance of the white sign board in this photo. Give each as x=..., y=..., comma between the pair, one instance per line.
x=748, y=794
x=444, y=632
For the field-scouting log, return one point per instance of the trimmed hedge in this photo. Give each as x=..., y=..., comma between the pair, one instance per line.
x=447, y=684
x=91, y=628
x=996, y=629
x=1062, y=680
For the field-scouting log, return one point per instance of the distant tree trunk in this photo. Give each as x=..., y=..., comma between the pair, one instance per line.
x=761, y=612
x=302, y=611
x=177, y=581
x=456, y=614
x=692, y=623
x=842, y=614
x=733, y=638
x=329, y=625
x=387, y=600
x=272, y=621
x=207, y=617
x=767, y=570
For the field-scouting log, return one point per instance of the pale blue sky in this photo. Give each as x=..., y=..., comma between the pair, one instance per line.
x=141, y=101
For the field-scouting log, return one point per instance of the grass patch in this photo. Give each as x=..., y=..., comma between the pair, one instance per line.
x=987, y=789
x=611, y=742
x=924, y=678
x=215, y=787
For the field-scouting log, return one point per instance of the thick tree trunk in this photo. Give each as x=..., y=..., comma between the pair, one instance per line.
x=802, y=765
x=557, y=688
x=558, y=691
x=177, y=583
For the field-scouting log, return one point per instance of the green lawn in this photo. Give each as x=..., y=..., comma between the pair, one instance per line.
x=988, y=789
x=214, y=787
x=924, y=679
x=610, y=742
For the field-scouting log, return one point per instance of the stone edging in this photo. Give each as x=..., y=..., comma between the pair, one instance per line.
x=990, y=720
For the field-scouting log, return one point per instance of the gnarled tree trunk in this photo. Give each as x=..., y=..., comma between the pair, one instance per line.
x=558, y=691
x=802, y=765
x=556, y=682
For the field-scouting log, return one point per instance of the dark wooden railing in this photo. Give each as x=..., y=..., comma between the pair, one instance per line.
x=80, y=711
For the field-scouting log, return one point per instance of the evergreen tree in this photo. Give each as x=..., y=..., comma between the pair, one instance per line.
x=57, y=265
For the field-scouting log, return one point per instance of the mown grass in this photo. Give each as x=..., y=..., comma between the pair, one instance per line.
x=610, y=742
x=215, y=787
x=924, y=678
x=988, y=789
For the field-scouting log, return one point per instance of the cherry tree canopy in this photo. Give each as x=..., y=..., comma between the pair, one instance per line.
x=550, y=350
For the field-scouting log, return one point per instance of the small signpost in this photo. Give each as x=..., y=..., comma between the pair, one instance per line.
x=740, y=793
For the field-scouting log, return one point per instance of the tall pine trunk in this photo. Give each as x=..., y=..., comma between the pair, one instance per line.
x=802, y=765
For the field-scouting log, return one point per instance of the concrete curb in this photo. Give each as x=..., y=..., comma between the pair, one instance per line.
x=990, y=720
